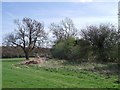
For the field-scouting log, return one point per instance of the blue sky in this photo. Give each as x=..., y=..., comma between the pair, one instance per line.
x=81, y=13
x=60, y=0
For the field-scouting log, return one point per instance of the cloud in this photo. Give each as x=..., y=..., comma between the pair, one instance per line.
x=79, y=0
x=106, y=0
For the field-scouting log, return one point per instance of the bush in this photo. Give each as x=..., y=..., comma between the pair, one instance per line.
x=58, y=51
x=71, y=49
x=62, y=49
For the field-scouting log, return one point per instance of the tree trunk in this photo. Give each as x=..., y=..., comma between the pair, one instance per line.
x=26, y=55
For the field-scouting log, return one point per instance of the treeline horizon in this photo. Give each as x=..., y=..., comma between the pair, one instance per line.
x=96, y=43
x=17, y=52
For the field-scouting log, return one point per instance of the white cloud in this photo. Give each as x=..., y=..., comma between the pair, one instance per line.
x=106, y=0
x=79, y=0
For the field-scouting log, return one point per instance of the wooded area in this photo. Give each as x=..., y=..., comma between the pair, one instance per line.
x=93, y=43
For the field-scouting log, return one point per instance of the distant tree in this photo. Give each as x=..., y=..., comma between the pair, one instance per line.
x=12, y=52
x=29, y=34
x=102, y=39
x=64, y=29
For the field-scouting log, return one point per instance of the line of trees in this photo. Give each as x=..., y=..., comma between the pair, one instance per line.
x=98, y=43
x=17, y=52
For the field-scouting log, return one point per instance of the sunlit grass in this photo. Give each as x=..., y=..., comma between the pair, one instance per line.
x=58, y=74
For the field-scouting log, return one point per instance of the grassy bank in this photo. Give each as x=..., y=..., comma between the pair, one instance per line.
x=55, y=74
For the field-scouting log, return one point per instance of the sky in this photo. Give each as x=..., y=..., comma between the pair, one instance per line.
x=60, y=0
x=82, y=13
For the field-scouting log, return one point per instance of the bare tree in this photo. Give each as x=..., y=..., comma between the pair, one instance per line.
x=29, y=34
x=64, y=29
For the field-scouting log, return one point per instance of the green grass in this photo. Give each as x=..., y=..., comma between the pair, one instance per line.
x=52, y=75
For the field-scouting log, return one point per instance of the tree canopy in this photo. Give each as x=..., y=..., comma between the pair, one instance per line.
x=29, y=34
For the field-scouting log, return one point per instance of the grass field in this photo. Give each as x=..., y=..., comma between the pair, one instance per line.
x=53, y=75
